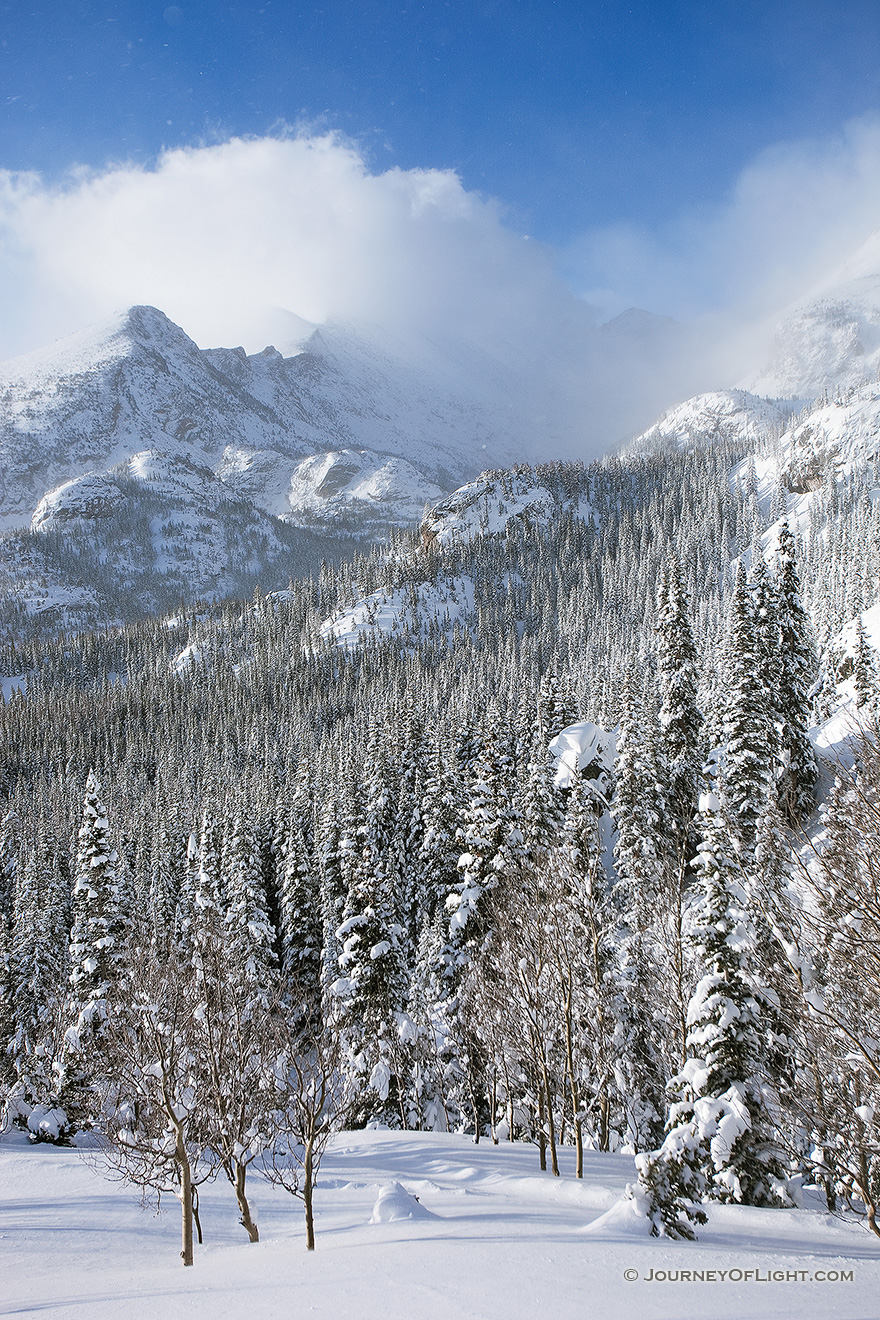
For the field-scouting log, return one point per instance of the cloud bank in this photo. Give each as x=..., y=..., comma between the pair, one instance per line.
x=219, y=236
x=215, y=236
x=793, y=215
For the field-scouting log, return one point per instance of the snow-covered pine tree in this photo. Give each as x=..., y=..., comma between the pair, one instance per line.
x=793, y=677
x=722, y=1140
x=166, y=875
x=438, y=1072
x=370, y=1018
x=301, y=928
x=40, y=975
x=10, y=827
x=639, y=808
x=681, y=721
x=865, y=673
x=749, y=730
x=484, y=832
x=250, y=937
x=641, y=900
x=97, y=937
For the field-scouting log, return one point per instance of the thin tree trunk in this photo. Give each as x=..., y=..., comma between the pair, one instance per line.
x=605, y=1122
x=551, y=1124
x=573, y=1087
x=186, y=1199
x=475, y=1107
x=542, y=1135
x=196, y=1220
x=246, y=1222
x=308, y=1188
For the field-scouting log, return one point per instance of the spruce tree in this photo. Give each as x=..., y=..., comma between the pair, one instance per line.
x=792, y=682
x=724, y=1122
x=749, y=727
x=97, y=948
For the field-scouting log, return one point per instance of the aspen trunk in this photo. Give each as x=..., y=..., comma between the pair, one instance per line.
x=308, y=1186
x=551, y=1124
x=573, y=1088
x=246, y=1222
x=186, y=1200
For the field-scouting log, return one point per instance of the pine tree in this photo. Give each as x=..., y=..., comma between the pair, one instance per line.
x=724, y=1123
x=301, y=928
x=678, y=676
x=864, y=672
x=371, y=992
x=97, y=947
x=792, y=680
x=40, y=971
x=250, y=937
x=749, y=726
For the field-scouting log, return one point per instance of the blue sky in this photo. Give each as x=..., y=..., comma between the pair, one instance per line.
x=574, y=114
x=498, y=169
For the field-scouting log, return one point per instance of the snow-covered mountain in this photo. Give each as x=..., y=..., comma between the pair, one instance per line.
x=165, y=468
x=152, y=467
x=831, y=339
x=732, y=415
x=137, y=383
x=814, y=407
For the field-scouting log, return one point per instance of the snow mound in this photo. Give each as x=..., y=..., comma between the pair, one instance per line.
x=394, y=1203
x=624, y=1219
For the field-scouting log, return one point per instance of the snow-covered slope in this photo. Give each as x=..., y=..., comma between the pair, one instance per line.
x=734, y=415
x=487, y=507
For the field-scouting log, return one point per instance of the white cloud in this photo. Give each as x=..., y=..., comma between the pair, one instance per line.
x=219, y=236
x=793, y=214
x=216, y=235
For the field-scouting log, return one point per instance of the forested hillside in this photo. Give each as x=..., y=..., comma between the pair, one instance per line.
x=347, y=807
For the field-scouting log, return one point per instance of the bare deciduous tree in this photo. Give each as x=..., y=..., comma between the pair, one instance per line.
x=314, y=1095
x=153, y=1127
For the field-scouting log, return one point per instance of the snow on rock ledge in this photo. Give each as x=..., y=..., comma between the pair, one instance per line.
x=91, y=496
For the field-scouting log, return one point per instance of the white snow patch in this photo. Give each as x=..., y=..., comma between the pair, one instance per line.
x=577, y=747
x=390, y=611
x=504, y=1242
x=394, y=1203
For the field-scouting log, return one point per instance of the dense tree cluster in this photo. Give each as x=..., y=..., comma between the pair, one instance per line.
x=372, y=847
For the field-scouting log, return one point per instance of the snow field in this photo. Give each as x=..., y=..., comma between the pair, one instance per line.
x=490, y=1237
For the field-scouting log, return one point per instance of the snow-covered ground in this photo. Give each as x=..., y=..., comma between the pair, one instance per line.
x=491, y=1236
